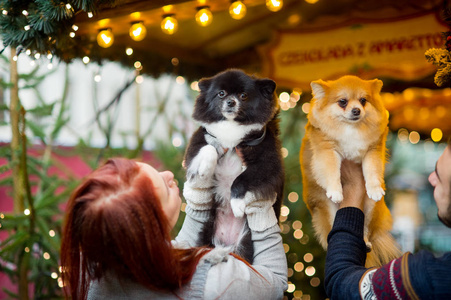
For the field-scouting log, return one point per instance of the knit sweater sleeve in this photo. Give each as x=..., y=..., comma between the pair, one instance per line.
x=191, y=228
x=346, y=254
x=231, y=278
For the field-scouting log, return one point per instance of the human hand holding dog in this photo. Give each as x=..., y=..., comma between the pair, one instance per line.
x=353, y=185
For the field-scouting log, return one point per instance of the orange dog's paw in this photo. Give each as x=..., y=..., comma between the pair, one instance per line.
x=375, y=192
x=335, y=196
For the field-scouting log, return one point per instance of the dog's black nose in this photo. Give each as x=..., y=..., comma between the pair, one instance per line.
x=231, y=103
x=355, y=111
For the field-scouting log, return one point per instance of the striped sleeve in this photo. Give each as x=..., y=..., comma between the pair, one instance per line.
x=391, y=281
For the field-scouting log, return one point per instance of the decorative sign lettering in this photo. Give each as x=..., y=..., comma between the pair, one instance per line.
x=369, y=49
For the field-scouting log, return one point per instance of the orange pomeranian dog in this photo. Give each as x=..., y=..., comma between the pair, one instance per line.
x=347, y=120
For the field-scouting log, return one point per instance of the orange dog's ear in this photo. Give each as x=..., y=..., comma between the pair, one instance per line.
x=319, y=89
x=376, y=85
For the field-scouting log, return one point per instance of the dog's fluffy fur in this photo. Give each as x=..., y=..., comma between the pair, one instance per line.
x=347, y=120
x=236, y=111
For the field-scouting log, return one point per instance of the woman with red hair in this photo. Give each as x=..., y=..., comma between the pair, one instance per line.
x=117, y=245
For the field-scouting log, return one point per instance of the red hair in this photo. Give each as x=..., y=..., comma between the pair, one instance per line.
x=114, y=222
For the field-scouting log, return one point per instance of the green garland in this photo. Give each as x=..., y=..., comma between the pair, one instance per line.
x=43, y=26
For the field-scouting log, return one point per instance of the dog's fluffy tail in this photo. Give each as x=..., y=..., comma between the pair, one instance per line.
x=384, y=249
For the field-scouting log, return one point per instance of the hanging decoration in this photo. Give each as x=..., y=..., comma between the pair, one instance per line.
x=105, y=38
x=169, y=25
x=237, y=10
x=204, y=17
x=274, y=5
x=138, y=31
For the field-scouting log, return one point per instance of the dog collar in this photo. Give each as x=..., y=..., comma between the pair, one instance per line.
x=257, y=140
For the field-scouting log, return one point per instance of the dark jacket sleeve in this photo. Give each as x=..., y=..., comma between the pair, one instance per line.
x=418, y=276
x=346, y=254
x=430, y=276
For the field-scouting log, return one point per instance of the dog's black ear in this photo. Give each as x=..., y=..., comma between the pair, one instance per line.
x=204, y=84
x=266, y=87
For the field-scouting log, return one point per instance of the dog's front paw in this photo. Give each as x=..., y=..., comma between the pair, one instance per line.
x=335, y=196
x=375, y=192
x=208, y=160
x=238, y=206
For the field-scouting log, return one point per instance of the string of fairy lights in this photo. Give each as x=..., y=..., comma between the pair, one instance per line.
x=169, y=23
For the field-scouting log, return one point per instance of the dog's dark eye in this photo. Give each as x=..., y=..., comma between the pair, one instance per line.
x=363, y=101
x=243, y=96
x=222, y=94
x=342, y=103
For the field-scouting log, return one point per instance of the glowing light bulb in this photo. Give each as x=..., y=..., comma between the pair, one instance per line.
x=129, y=51
x=274, y=5
x=138, y=31
x=105, y=38
x=169, y=25
x=436, y=135
x=237, y=10
x=204, y=17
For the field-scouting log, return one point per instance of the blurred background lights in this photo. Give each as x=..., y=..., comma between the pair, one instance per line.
x=436, y=135
x=274, y=5
x=54, y=275
x=85, y=60
x=297, y=225
x=176, y=142
x=137, y=64
x=298, y=267
x=310, y=271
x=315, y=281
x=175, y=61
x=46, y=255
x=26, y=212
x=291, y=287
x=308, y=257
x=129, y=51
x=180, y=80
x=298, y=234
x=195, y=86
x=286, y=247
x=169, y=25
x=305, y=107
x=293, y=197
x=440, y=111
x=138, y=31
x=97, y=78
x=284, y=97
x=414, y=137
x=298, y=294
x=284, y=211
x=204, y=17
x=105, y=38
x=284, y=152
x=403, y=135
x=237, y=10
x=52, y=233
x=139, y=79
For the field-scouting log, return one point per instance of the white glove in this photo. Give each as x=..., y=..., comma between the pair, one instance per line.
x=260, y=213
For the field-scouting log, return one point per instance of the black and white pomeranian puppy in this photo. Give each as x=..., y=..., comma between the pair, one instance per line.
x=238, y=137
